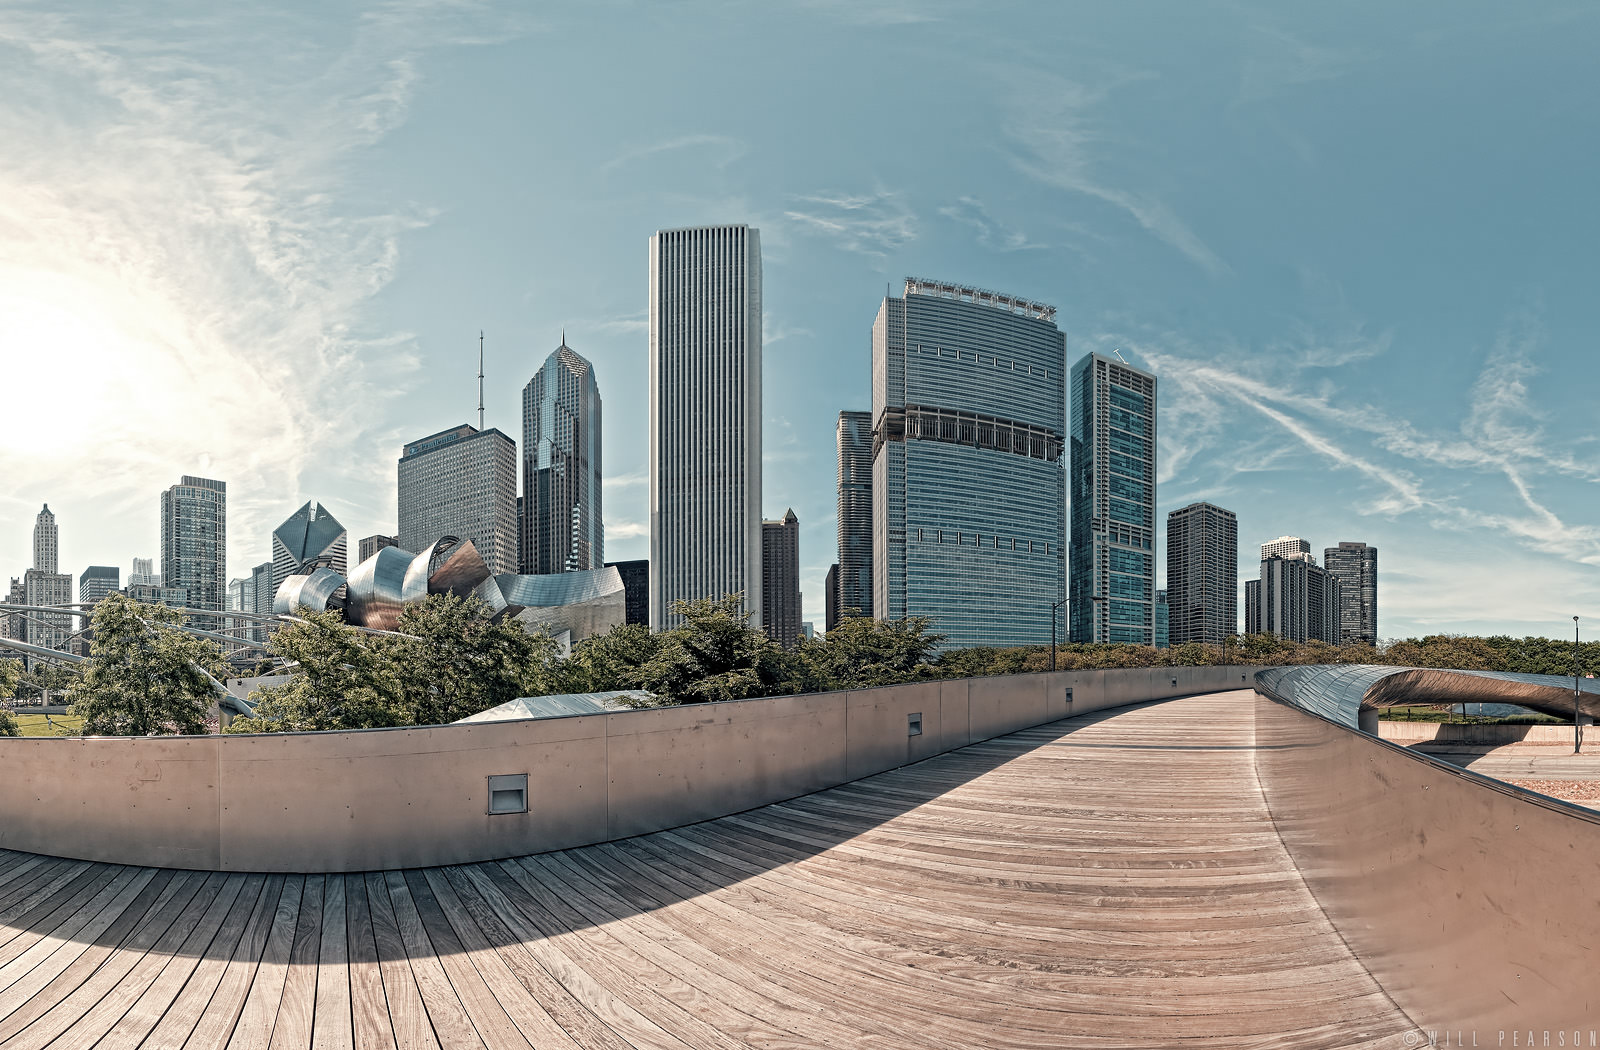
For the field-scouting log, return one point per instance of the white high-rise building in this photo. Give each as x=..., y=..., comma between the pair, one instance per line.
x=1288, y=547
x=194, y=544
x=144, y=573
x=46, y=542
x=705, y=417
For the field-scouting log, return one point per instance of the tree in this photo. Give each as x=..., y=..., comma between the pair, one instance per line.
x=143, y=675
x=341, y=681
x=10, y=673
x=45, y=677
x=714, y=654
x=456, y=660
x=861, y=652
x=610, y=661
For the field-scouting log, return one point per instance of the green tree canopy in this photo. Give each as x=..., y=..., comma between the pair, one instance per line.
x=456, y=660
x=861, y=652
x=143, y=675
x=341, y=681
x=10, y=674
x=614, y=660
x=714, y=654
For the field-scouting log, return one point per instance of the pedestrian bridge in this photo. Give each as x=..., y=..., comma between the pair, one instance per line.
x=1222, y=869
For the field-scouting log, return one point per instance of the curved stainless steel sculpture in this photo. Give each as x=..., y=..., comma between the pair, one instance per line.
x=378, y=590
x=585, y=603
x=311, y=590
x=420, y=571
x=1341, y=692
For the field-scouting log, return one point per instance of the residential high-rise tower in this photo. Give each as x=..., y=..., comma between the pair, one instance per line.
x=194, y=539
x=967, y=472
x=461, y=482
x=780, y=579
x=561, y=526
x=1113, y=434
x=1202, y=574
x=1356, y=567
x=705, y=417
x=854, y=442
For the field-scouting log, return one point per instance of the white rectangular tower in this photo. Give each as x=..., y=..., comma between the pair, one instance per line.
x=705, y=417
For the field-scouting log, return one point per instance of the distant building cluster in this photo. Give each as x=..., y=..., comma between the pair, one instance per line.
x=993, y=485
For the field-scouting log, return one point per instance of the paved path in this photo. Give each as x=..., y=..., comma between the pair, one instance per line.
x=1108, y=881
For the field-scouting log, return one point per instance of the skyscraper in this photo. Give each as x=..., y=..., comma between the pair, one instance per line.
x=1355, y=565
x=12, y=625
x=967, y=473
x=1294, y=599
x=561, y=526
x=635, y=588
x=50, y=630
x=461, y=482
x=854, y=441
x=46, y=541
x=370, y=545
x=144, y=573
x=194, y=542
x=1202, y=574
x=705, y=417
x=261, y=595
x=780, y=579
x=1286, y=547
x=1163, y=635
x=830, y=600
x=96, y=582
x=1113, y=433
x=308, y=535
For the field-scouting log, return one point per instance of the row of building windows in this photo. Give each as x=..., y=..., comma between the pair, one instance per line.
x=976, y=539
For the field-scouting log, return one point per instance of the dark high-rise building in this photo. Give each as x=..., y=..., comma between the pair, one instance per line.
x=1113, y=433
x=1202, y=574
x=780, y=579
x=1163, y=638
x=96, y=582
x=194, y=545
x=370, y=545
x=561, y=525
x=705, y=417
x=461, y=482
x=854, y=440
x=830, y=600
x=636, y=589
x=1356, y=567
x=967, y=473
x=310, y=536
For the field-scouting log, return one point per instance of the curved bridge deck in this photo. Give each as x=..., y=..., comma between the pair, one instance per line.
x=1109, y=880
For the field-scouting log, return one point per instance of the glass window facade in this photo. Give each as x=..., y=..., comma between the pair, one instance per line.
x=1111, y=432
x=967, y=467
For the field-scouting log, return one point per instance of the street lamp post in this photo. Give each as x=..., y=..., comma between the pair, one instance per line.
x=1053, y=607
x=1577, y=729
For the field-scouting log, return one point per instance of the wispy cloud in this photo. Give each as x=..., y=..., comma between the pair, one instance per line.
x=1058, y=141
x=182, y=258
x=625, y=481
x=970, y=211
x=875, y=224
x=721, y=151
x=1278, y=60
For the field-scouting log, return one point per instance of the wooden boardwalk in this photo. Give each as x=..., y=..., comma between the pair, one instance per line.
x=1107, y=881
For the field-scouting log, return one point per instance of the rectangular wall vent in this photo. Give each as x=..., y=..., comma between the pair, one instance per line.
x=508, y=793
x=914, y=724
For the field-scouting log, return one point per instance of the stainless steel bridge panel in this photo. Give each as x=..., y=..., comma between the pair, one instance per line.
x=1340, y=692
x=380, y=588
x=307, y=591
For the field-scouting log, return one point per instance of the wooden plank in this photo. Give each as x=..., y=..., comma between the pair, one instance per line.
x=191, y=1001
x=222, y=1013
x=172, y=968
x=523, y=1008
x=451, y=1023
x=67, y=921
x=407, y=1015
x=22, y=1004
x=90, y=1012
x=31, y=900
x=258, y=1017
x=297, y=1008
x=331, y=1027
x=369, y=1011
x=494, y=1026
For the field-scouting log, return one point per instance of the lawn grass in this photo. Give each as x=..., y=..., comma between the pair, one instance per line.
x=41, y=725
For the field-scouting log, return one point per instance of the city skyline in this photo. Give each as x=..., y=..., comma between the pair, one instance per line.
x=1420, y=405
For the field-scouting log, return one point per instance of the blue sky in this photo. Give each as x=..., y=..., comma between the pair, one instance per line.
x=1356, y=242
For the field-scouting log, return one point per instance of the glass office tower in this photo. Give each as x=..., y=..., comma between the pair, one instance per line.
x=562, y=530
x=194, y=545
x=1113, y=435
x=967, y=473
x=854, y=441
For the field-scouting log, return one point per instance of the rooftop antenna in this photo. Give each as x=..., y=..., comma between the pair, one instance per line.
x=1115, y=350
x=480, y=379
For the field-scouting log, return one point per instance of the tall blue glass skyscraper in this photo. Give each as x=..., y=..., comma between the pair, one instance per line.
x=1113, y=434
x=967, y=471
x=561, y=527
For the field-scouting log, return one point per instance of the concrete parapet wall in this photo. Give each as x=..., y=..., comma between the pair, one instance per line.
x=1474, y=735
x=395, y=798
x=1466, y=899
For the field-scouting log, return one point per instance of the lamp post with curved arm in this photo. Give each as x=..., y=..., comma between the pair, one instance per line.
x=1053, y=607
x=1577, y=727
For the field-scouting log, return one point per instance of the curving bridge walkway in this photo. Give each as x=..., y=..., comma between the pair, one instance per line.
x=1109, y=880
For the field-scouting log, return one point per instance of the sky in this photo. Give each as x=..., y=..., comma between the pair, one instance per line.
x=1355, y=242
